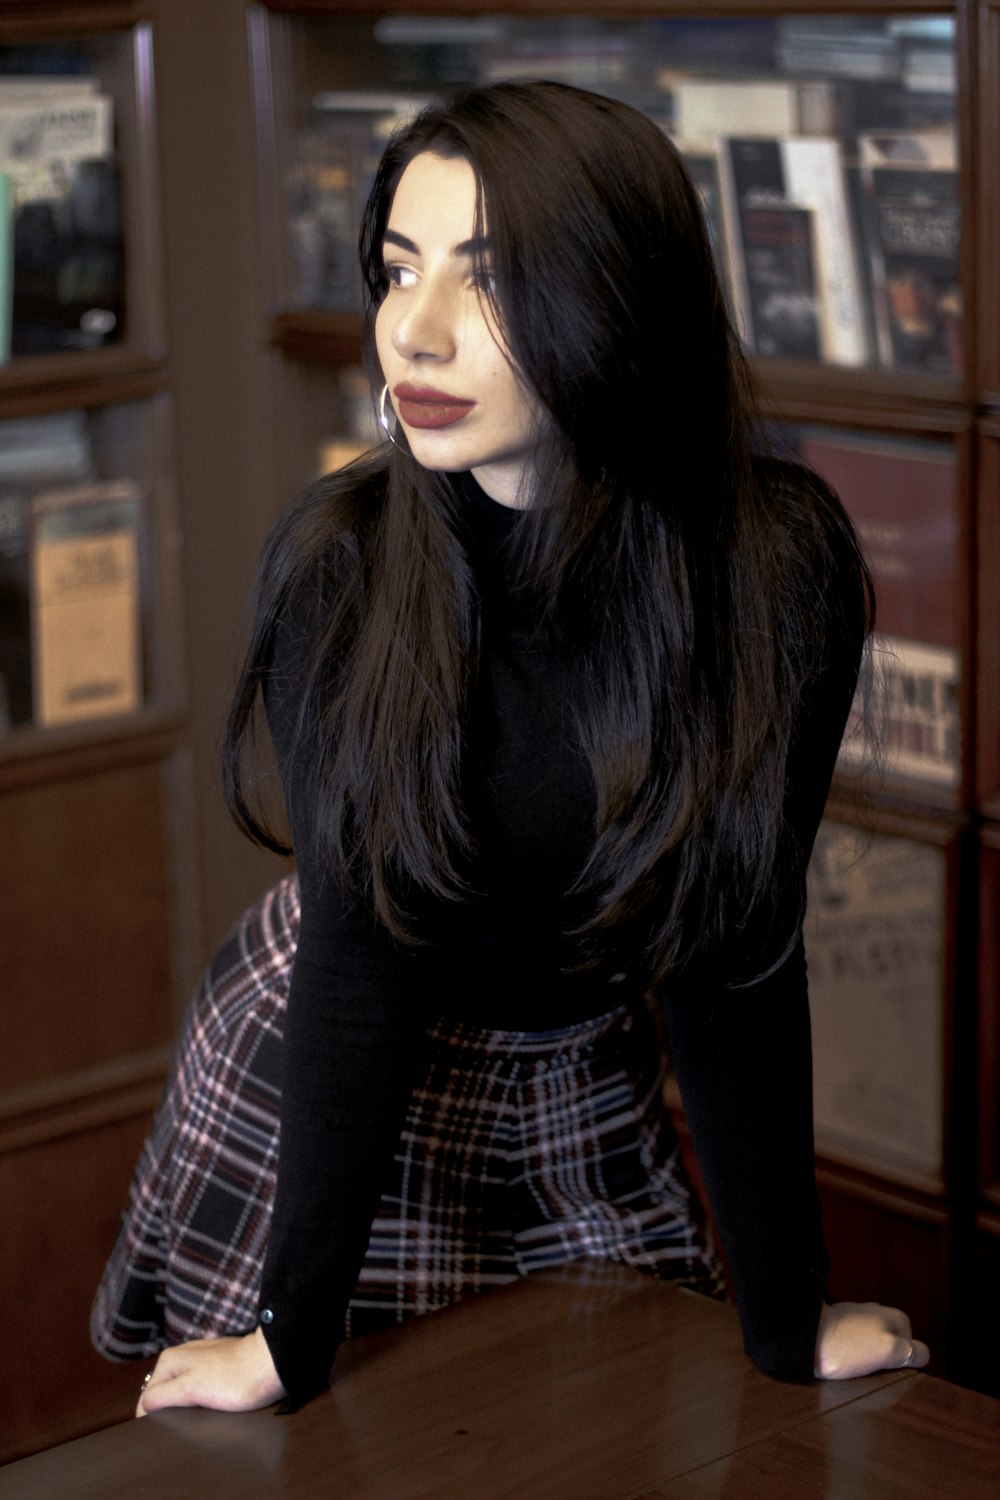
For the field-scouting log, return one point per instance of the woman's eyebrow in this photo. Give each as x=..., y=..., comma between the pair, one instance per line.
x=480, y=244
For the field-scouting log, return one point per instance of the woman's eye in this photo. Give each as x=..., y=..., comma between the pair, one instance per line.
x=485, y=282
x=401, y=276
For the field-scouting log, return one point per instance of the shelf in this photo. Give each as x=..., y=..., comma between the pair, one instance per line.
x=325, y=338
x=29, y=757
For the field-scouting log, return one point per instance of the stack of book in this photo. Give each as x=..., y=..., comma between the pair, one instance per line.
x=61, y=241
x=843, y=249
x=70, y=564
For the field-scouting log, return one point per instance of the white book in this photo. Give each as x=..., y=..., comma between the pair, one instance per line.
x=33, y=133
x=815, y=177
x=85, y=602
x=706, y=109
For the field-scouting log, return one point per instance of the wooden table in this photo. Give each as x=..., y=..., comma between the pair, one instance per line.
x=590, y=1383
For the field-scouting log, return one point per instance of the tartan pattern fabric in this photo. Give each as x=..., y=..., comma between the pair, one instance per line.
x=520, y=1150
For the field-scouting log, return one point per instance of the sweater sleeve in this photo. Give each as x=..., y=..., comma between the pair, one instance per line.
x=346, y=1079
x=743, y=1060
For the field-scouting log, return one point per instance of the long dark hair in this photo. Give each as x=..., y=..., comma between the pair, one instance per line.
x=698, y=585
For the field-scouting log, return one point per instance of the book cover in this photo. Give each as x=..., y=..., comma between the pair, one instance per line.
x=69, y=259
x=875, y=941
x=702, y=164
x=704, y=109
x=780, y=278
x=86, y=619
x=69, y=127
x=900, y=494
x=914, y=228
x=911, y=704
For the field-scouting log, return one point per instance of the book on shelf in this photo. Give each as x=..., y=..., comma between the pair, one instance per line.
x=35, y=453
x=52, y=447
x=900, y=493
x=53, y=126
x=908, y=710
x=57, y=150
x=807, y=172
x=85, y=605
x=875, y=941
x=857, y=48
x=701, y=159
x=333, y=164
x=913, y=226
x=69, y=260
x=780, y=274
x=703, y=110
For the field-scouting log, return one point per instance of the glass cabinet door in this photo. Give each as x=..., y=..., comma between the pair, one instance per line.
x=824, y=148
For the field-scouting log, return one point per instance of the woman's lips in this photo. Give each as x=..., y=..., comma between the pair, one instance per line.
x=423, y=406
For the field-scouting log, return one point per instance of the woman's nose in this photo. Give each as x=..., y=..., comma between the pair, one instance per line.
x=425, y=328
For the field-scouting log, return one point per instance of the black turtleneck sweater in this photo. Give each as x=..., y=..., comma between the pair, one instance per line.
x=358, y=997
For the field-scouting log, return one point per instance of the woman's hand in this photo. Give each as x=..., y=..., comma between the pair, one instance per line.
x=234, y=1374
x=858, y=1338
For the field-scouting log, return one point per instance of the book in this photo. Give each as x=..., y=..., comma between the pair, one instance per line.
x=780, y=272
x=48, y=448
x=913, y=231
x=910, y=703
x=86, y=618
x=73, y=126
x=808, y=173
x=704, y=109
x=69, y=259
x=702, y=163
x=875, y=942
x=901, y=495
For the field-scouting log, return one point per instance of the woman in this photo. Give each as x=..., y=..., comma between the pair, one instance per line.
x=556, y=682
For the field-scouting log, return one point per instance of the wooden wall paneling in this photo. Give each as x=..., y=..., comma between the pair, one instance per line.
x=892, y=1247
x=87, y=877
x=981, y=1367
x=62, y=1196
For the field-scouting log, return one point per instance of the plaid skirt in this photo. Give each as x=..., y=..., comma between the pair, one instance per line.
x=520, y=1150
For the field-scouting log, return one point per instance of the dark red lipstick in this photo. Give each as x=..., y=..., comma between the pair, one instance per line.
x=423, y=406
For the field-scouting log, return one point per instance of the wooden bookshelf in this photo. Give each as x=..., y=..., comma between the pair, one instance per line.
x=93, y=811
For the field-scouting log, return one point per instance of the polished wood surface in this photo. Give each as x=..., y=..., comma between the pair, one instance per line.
x=583, y=1384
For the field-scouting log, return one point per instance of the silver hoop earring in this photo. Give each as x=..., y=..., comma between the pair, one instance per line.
x=383, y=415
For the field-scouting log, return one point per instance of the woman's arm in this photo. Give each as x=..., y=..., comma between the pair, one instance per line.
x=346, y=1070
x=744, y=1064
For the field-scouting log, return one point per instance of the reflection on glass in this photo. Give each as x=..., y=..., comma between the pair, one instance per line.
x=900, y=493
x=823, y=148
